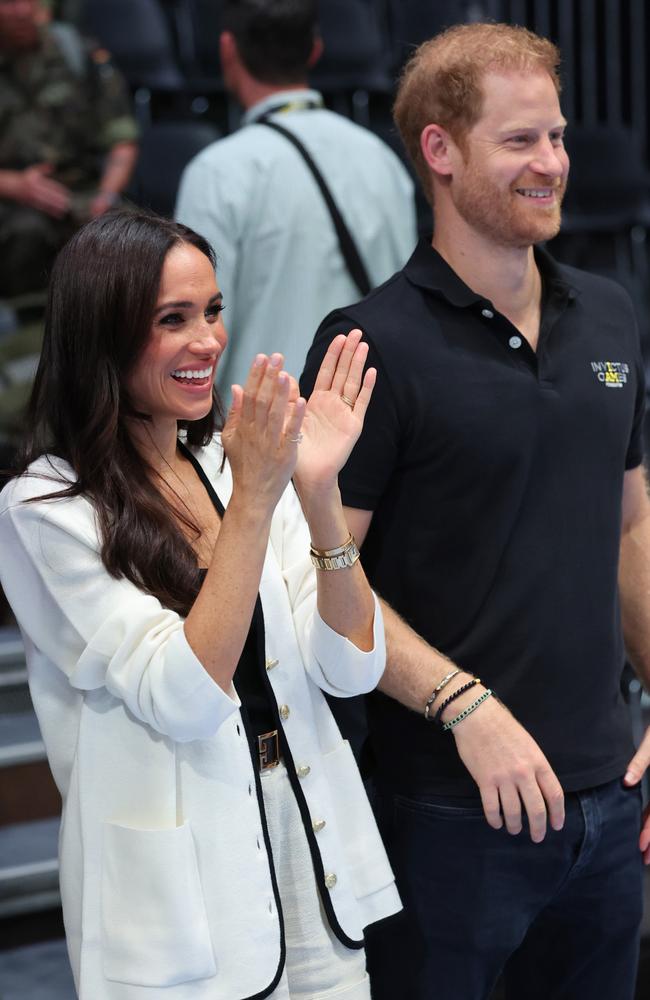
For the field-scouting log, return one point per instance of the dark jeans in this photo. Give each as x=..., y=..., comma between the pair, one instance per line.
x=560, y=919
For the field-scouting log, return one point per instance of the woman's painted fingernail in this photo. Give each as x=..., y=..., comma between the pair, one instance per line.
x=259, y=360
x=276, y=360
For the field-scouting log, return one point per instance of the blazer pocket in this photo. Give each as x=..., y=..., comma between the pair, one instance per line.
x=154, y=924
x=364, y=851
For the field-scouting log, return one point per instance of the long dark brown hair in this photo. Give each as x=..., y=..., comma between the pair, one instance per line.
x=102, y=295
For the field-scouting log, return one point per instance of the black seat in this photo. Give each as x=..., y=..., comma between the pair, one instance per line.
x=356, y=57
x=197, y=25
x=137, y=34
x=410, y=22
x=609, y=178
x=606, y=212
x=165, y=149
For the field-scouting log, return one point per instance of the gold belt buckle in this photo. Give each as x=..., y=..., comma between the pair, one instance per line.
x=268, y=750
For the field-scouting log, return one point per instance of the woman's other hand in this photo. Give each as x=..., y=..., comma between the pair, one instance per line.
x=335, y=412
x=261, y=433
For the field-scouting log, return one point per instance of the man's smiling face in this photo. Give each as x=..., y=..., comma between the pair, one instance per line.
x=510, y=183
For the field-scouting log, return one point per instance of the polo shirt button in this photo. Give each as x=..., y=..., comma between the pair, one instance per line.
x=487, y=313
x=318, y=825
x=331, y=880
x=303, y=770
x=285, y=712
x=515, y=343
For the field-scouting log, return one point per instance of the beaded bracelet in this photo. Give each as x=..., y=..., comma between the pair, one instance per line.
x=455, y=694
x=436, y=692
x=467, y=711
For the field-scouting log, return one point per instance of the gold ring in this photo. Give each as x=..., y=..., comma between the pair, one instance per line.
x=348, y=402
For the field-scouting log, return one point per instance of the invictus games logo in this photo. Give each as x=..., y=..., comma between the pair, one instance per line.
x=611, y=373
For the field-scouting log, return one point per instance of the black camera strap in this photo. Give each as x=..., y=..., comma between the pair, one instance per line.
x=351, y=255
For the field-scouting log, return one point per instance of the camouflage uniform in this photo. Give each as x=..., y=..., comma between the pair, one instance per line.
x=66, y=105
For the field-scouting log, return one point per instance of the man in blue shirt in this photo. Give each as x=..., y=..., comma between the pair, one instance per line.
x=253, y=197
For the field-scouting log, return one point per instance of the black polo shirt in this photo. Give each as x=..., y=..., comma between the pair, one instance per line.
x=495, y=475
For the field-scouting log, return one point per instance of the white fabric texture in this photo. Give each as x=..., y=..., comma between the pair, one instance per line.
x=152, y=760
x=279, y=264
x=318, y=966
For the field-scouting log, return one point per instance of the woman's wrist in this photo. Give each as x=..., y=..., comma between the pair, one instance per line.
x=319, y=496
x=320, y=499
x=325, y=519
x=249, y=513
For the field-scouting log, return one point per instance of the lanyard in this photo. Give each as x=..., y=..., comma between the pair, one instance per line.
x=308, y=104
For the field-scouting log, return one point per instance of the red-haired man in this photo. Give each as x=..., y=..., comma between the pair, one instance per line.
x=497, y=480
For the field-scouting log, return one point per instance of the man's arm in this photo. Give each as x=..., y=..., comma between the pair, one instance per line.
x=634, y=571
x=504, y=761
x=116, y=131
x=634, y=585
x=35, y=188
x=118, y=168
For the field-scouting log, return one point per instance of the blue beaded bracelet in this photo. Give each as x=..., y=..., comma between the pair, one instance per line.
x=467, y=711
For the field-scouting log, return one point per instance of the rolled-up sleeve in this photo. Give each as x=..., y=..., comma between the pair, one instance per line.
x=341, y=664
x=98, y=630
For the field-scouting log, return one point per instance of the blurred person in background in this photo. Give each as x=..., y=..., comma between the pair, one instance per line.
x=68, y=141
x=253, y=196
x=64, y=10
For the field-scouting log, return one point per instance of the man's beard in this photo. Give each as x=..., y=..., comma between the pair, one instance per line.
x=505, y=217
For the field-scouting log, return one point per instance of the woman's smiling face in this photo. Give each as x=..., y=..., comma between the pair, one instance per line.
x=173, y=377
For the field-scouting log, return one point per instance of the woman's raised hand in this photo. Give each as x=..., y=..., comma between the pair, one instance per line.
x=335, y=412
x=262, y=431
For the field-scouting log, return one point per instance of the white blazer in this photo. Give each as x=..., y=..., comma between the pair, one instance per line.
x=165, y=868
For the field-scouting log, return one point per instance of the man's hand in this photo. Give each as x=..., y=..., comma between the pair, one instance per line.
x=504, y=761
x=635, y=771
x=35, y=188
x=510, y=770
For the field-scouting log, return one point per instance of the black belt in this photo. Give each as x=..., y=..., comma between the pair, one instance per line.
x=268, y=750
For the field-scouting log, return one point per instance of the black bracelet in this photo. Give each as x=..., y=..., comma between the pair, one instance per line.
x=456, y=694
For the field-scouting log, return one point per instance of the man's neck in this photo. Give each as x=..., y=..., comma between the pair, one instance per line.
x=252, y=91
x=506, y=276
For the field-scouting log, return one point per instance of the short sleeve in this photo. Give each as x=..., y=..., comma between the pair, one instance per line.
x=364, y=479
x=636, y=446
x=113, y=111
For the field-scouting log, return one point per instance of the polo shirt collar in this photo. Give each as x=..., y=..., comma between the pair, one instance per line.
x=554, y=275
x=426, y=268
x=290, y=99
